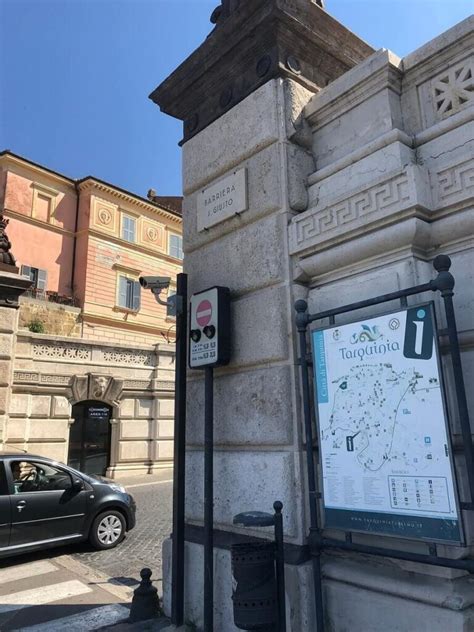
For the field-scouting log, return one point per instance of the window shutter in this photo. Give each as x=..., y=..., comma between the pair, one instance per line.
x=42, y=279
x=136, y=295
x=122, y=297
x=176, y=246
x=128, y=229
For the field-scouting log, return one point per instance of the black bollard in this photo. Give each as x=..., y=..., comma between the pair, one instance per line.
x=145, y=602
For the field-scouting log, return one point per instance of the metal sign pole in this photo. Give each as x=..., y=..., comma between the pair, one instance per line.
x=177, y=584
x=209, y=346
x=208, y=500
x=302, y=320
x=445, y=283
x=280, y=565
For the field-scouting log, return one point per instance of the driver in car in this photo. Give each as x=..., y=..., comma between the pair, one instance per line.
x=24, y=473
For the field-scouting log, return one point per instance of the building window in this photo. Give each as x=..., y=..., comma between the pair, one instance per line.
x=171, y=306
x=176, y=246
x=128, y=228
x=44, y=202
x=129, y=293
x=38, y=277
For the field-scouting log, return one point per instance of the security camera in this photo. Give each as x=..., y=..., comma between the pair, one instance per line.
x=155, y=283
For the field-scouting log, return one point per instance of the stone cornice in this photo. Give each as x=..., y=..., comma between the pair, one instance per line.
x=91, y=317
x=261, y=40
x=455, y=41
x=381, y=71
x=37, y=222
x=12, y=286
x=416, y=234
x=28, y=168
x=8, y=159
x=91, y=185
x=404, y=192
x=48, y=339
x=393, y=136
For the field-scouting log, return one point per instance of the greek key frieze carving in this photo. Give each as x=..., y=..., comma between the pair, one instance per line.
x=166, y=386
x=138, y=384
x=382, y=197
x=455, y=181
x=54, y=379
x=62, y=351
x=25, y=376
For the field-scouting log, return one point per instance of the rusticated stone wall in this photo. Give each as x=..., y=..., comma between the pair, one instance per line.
x=57, y=320
x=51, y=374
x=352, y=193
x=393, y=141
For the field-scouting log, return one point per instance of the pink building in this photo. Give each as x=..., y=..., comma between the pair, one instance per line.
x=93, y=378
x=84, y=243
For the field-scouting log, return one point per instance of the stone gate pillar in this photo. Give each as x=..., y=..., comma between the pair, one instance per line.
x=247, y=147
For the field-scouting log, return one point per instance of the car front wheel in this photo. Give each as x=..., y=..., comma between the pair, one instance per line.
x=108, y=529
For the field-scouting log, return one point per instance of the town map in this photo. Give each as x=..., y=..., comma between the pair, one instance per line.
x=385, y=451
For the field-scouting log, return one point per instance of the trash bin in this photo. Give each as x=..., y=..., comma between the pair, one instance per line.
x=254, y=586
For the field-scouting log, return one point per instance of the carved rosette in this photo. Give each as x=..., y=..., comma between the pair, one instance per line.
x=105, y=216
x=93, y=386
x=152, y=233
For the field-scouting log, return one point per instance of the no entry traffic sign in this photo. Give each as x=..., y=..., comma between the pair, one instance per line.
x=209, y=328
x=204, y=313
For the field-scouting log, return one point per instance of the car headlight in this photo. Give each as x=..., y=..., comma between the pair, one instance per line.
x=118, y=488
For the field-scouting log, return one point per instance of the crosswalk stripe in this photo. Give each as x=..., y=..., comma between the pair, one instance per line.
x=88, y=620
x=147, y=484
x=23, y=571
x=43, y=595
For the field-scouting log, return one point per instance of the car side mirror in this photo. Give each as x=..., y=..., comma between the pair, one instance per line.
x=77, y=485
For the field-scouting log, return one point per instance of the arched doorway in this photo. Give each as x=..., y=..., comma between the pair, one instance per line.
x=89, y=437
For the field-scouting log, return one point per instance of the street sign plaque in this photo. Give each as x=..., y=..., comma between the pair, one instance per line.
x=222, y=200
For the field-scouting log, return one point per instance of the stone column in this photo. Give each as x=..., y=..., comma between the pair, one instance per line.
x=12, y=285
x=267, y=58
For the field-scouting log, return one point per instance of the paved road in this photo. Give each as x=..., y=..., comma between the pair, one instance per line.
x=79, y=588
x=142, y=546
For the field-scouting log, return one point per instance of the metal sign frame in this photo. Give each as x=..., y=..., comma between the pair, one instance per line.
x=215, y=347
x=446, y=424
x=318, y=542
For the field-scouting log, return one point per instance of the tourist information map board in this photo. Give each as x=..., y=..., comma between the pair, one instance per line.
x=384, y=444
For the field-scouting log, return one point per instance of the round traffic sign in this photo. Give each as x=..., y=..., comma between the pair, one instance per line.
x=204, y=313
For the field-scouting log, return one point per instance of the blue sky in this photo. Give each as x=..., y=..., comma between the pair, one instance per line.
x=76, y=75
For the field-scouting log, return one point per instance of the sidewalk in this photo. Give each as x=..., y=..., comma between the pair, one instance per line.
x=49, y=594
x=162, y=476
